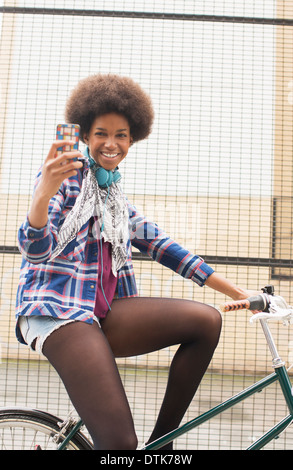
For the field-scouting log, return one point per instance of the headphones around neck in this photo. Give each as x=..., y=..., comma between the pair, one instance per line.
x=104, y=177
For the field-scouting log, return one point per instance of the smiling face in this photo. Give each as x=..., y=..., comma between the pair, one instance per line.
x=109, y=140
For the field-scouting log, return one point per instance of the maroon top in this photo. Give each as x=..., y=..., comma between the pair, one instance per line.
x=109, y=282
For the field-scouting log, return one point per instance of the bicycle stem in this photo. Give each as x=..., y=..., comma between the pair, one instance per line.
x=279, y=366
x=277, y=361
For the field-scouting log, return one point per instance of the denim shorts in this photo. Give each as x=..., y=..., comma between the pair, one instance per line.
x=38, y=329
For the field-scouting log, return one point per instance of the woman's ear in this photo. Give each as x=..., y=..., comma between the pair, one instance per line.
x=85, y=138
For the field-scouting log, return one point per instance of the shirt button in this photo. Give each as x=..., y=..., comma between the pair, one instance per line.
x=92, y=286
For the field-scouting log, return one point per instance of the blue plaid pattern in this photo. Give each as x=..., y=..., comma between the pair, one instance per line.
x=66, y=286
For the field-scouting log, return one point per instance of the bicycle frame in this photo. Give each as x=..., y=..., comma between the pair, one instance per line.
x=71, y=434
x=280, y=374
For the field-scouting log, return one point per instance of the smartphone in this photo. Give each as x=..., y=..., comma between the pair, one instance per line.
x=67, y=132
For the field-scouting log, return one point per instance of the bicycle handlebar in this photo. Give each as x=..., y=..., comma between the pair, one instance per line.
x=259, y=302
x=266, y=307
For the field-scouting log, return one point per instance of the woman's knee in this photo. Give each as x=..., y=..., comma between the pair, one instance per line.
x=215, y=317
x=207, y=322
x=213, y=324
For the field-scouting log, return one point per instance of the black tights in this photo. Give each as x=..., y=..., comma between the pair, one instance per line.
x=84, y=356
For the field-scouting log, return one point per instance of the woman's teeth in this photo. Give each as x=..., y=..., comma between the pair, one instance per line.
x=110, y=155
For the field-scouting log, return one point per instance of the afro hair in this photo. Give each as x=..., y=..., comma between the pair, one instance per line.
x=101, y=94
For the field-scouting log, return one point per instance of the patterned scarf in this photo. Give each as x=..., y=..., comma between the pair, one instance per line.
x=109, y=208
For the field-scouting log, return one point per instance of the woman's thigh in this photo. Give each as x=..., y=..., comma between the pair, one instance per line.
x=141, y=325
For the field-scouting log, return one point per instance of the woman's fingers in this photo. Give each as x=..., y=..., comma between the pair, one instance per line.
x=60, y=144
x=57, y=168
x=56, y=161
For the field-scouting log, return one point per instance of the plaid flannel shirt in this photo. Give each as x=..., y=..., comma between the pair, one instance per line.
x=66, y=286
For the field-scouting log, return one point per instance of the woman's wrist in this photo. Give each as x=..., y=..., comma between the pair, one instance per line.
x=38, y=214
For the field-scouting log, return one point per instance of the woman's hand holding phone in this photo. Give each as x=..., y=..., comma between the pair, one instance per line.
x=60, y=162
x=55, y=170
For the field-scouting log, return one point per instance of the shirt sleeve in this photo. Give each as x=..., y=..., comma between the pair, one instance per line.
x=36, y=245
x=149, y=239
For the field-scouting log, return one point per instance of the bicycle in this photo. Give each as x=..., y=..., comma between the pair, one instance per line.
x=22, y=428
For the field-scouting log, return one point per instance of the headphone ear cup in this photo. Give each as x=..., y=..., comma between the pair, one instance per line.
x=116, y=176
x=104, y=177
x=110, y=178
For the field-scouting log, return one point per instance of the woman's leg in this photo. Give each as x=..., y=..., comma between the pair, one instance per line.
x=137, y=326
x=82, y=357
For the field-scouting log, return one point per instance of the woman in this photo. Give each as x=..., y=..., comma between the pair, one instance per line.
x=77, y=301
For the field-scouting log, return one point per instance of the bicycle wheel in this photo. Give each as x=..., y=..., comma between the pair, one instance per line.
x=26, y=429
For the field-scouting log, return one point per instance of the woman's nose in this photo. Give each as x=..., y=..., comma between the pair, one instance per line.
x=110, y=143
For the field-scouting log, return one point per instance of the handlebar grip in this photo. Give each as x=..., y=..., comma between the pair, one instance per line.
x=258, y=302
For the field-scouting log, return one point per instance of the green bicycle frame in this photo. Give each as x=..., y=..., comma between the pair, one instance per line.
x=280, y=375
x=70, y=435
